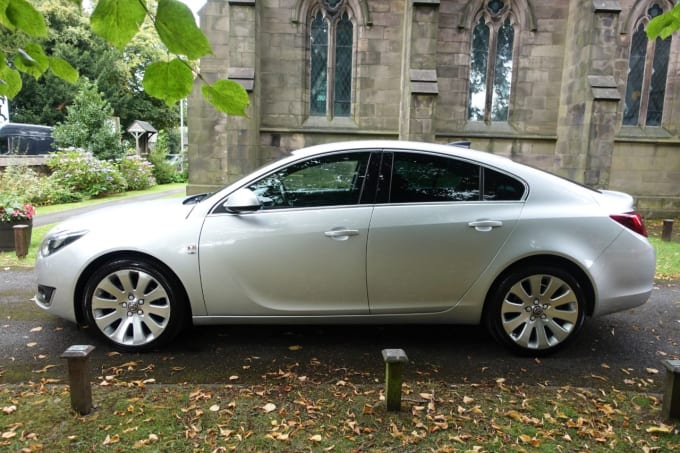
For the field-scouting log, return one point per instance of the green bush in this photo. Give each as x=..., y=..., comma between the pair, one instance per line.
x=81, y=173
x=25, y=183
x=137, y=172
x=164, y=171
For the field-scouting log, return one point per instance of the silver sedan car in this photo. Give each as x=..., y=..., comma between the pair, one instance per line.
x=357, y=232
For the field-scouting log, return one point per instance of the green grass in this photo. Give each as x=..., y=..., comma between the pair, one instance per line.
x=298, y=415
x=94, y=201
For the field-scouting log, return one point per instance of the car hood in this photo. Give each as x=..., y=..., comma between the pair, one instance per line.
x=131, y=215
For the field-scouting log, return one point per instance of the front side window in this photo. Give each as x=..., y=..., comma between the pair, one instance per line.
x=331, y=49
x=491, y=59
x=647, y=73
x=322, y=181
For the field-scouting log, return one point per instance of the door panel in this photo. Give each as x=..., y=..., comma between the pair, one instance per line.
x=423, y=258
x=435, y=234
x=284, y=262
x=304, y=253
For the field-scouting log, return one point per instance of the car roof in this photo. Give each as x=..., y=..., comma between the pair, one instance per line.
x=452, y=150
x=22, y=129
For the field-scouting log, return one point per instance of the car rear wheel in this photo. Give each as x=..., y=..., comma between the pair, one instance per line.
x=536, y=310
x=133, y=304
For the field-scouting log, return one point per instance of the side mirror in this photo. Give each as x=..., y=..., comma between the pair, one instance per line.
x=243, y=200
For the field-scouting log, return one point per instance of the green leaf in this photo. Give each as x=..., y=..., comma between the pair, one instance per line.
x=177, y=29
x=227, y=96
x=32, y=60
x=10, y=81
x=168, y=81
x=664, y=25
x=117, y=21
x=4, y=20
x=26, y=18
x=63, y=69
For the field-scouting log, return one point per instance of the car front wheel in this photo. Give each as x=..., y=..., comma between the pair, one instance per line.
x=536, y=310
x=133, y=304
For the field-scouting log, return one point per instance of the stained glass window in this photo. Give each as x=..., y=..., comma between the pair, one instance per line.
x=491, y=59
x=331, y=55
x=647, y=73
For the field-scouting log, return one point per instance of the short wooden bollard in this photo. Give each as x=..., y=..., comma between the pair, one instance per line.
x=78, y=359
x=671, y=392
x=394, y=364
x=21, y=240
x=667, y=231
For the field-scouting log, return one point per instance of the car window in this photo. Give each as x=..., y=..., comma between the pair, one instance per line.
x=428, y=178
x=501, y=187
x=322, y=181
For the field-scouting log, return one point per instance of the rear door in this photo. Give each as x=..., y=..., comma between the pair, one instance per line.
x=436, y=229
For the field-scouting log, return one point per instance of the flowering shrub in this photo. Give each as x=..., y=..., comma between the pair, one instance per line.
x=137, y=172
x=24, y=183
x=82, y=173
x=13, y=210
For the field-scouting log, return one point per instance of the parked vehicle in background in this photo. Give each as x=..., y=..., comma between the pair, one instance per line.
x=25, y=139
x=357, y=232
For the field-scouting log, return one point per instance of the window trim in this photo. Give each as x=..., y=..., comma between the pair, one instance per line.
x=494, y=21
x=332, y=19
x=640, y=22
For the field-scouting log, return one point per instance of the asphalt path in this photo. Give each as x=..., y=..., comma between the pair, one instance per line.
x=623, y=350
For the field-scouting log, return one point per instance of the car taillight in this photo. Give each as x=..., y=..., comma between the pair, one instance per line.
x=632, y=221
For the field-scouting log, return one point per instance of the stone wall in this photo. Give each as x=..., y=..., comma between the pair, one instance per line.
x=411, y=81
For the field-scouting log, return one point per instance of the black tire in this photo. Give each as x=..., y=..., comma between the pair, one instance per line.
x=134, y=304
x=536, y=310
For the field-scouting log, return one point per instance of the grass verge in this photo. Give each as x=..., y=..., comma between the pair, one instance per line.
x=295, y=414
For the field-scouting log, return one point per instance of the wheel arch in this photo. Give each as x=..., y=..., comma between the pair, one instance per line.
x=551, y=260
x=79, y=308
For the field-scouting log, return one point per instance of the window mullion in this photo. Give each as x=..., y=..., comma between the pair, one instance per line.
x=330, y=93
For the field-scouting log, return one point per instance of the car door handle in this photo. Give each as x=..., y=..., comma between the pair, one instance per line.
x=341, y=234
x=485, y=225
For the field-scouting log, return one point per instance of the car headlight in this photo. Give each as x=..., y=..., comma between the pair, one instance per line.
x=59, y=240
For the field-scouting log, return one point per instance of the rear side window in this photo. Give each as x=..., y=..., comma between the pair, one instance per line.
x=427, y=178
x=501, y=187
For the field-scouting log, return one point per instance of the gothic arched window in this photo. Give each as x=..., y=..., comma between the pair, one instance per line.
x=647, y=72
x=491, y=58
x=331, y=50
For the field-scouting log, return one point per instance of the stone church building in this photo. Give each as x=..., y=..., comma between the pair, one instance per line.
x=573, y=87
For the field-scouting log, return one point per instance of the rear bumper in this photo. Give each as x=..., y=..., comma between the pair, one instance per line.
x=624, y=274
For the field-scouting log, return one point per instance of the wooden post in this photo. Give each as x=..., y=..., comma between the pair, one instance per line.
x=21, y=240
x=667, y=230
x=394, y=363
x=671, y=393
x=78, y=359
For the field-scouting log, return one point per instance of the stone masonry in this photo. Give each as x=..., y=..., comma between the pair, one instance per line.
x=411, y=80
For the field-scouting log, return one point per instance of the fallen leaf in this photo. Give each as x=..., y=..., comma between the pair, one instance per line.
x=214, y=408
x=295, y=347
x=31, y=344
x=315, y=438
x=36, y=329
x=652, y=370
x=9, y=409
x=269, y=407
x=660, y=429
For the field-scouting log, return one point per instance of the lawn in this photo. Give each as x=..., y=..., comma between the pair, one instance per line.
x=292, y=413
